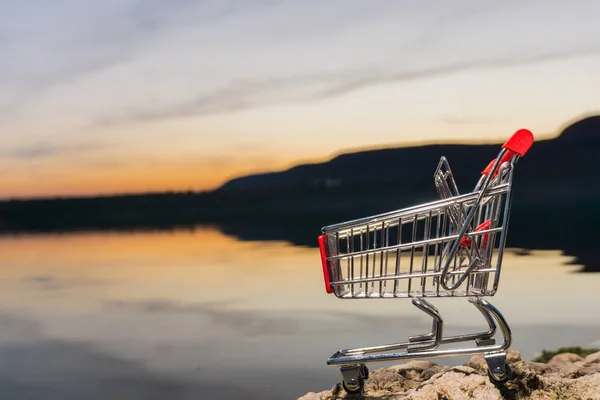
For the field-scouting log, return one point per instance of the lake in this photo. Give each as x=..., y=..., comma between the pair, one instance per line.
x=197, y=314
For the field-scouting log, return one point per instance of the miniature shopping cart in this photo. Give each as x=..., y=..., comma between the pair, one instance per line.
x=451, y=247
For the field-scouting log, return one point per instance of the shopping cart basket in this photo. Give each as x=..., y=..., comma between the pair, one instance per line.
x=451, y=247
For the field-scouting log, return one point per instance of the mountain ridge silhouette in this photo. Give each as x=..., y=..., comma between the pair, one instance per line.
x=555, y=203
x=371, y=167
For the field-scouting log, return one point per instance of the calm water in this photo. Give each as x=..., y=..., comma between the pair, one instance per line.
x=199, y=315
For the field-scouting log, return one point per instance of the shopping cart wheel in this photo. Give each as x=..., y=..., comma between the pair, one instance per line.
x=353, y=377
x=498, y=370
x=500, y=378
x=354, y=386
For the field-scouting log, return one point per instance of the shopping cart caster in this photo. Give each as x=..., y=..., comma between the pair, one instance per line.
x=500, y=378
x=499, y=371
x=353, y=377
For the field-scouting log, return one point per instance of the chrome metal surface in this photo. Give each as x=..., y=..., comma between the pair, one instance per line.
x=491, y=313
x=351, y=377
x=451, y=247
x=497, y=365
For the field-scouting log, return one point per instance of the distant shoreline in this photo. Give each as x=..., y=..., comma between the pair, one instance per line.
x=555, y=204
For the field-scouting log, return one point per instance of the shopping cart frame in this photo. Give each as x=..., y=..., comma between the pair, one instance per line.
x=495, y=184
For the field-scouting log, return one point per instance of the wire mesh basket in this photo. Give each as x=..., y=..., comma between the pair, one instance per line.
x=450, y=247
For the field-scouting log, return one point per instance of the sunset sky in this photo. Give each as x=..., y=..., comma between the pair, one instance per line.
x=115, y=96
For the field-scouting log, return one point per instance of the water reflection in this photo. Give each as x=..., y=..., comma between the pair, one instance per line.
x=199, y=314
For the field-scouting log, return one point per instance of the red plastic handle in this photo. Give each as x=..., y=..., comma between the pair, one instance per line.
x=324, y=250
x=466, y=241
x=506, y=157
x=520, y=142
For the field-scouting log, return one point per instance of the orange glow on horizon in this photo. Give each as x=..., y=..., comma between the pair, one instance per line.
x=172, y=174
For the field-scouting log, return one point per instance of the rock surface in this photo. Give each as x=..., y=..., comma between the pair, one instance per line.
x=565, y=376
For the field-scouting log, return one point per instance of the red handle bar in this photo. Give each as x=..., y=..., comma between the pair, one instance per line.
x=518, y=144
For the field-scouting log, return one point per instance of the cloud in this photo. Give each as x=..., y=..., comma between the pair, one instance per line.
x=245, y=95
x=448, y=69
x=240, y=95
x=53, y=44
x=50, y=282
x=48, y=150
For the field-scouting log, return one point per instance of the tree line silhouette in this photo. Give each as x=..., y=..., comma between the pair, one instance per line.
x=555, y=206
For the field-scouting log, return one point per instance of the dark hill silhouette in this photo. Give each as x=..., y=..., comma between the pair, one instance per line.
x=557, y=190
x=555, y=206
x=568, y=158
x=587, y=130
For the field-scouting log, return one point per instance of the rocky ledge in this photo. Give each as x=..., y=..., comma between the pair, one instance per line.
x=565, y=376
